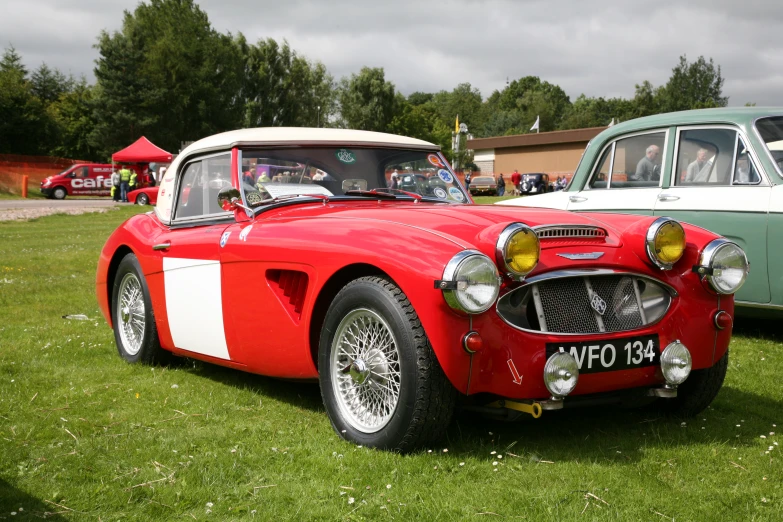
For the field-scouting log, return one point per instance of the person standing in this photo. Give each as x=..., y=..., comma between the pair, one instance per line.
x=125, y=175
x=501, y=185
x=115, y=186
x=516, y=179
x=133, y=183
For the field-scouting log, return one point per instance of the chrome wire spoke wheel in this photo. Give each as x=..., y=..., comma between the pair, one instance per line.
x=365, y=370
x=131, y=314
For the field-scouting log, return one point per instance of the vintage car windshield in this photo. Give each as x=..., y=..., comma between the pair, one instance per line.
x=269, y=174
x=771, y=132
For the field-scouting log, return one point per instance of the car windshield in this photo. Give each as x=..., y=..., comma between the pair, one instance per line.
x=271, y=174
x=771, y=132
x=483, y=180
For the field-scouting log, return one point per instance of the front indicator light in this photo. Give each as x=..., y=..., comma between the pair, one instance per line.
x=518, y=249
x=724, y=265
x=561, y=374
x=675, y=363
x=665, y=242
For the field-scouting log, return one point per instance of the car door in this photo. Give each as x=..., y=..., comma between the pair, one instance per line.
x=627, y=176
x=190, y=251
x=717, y=185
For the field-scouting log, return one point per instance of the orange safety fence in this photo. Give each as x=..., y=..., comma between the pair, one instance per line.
x=13, y=168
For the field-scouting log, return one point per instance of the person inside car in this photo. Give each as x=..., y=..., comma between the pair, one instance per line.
x=647, y=169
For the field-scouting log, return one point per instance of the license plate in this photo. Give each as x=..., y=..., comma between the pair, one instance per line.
x=608, y=356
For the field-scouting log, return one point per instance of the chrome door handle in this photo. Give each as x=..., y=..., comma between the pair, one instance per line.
x=576, y=199
x=668, y=197
x=162, y=246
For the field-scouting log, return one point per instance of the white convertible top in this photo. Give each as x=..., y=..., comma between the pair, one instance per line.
x=302, y=135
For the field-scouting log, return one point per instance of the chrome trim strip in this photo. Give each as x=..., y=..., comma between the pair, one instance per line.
x=750, y=304
x=639, y=300
x=590, y=272
x=539, y=310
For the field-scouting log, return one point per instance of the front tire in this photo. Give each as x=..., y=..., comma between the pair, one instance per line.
x=134, y=321
x=59, y=193
x=699, y=390
x=381, y=383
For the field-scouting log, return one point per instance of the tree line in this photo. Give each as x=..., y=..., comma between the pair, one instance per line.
x=169, y=75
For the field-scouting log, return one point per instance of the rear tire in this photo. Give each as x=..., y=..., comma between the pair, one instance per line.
x=143, y=199
x=381, y=383
x=59, y=193
x=698, y=391
x=135, y=331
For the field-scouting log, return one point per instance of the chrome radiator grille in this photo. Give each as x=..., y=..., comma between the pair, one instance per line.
x=586, y=304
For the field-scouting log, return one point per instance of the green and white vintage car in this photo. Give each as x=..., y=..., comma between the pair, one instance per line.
x=721, y=169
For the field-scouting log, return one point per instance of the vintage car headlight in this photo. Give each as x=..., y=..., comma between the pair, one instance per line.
x=724, y=265
x=518, y=249
x=561, y=374
x=665, y=242
x=675, y=363
x=470, y=282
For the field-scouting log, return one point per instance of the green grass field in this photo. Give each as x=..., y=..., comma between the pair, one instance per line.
x=85, y=436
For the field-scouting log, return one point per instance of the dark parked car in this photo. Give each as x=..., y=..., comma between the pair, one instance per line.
x=536, y=183
x=483, y=186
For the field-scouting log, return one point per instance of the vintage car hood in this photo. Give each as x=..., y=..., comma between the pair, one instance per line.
x=469, y=223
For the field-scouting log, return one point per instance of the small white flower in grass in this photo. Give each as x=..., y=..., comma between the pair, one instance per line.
x=13, y=513
x=764, y=499
x=682, y=424
x=351, y=500
x=771, y=448
x=495, y=469
x=175, y=386
x=500, y=456
x=491, y=433
x=274, y=449
x=703, y=428
x=234, y=450
x=495, y=463
x=775, y=443
x=359, y=447
x=445, y=450
x=253, y=512
x=492, y=452
x=342, y=493
x=461, y=463
x=429, y=451
x=210, y=504
x=763, y=436
x=771, y=432
x=209, y=511
x=21, y=509
x=388, y=486
x=739, y=425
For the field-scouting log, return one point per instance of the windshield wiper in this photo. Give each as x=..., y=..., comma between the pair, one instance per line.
x=370, y=193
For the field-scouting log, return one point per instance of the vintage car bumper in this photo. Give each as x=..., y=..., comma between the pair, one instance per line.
x=483, y=190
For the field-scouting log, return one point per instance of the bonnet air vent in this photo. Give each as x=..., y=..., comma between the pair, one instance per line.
x=570, y=232
x=290, y=287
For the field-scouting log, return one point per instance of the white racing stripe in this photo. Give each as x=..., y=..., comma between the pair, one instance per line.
x=194, y=305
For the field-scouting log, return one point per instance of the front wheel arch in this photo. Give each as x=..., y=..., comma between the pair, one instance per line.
x=329, y=291
x=116, y=258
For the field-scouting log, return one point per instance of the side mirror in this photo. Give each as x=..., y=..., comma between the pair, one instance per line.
x=229, y=199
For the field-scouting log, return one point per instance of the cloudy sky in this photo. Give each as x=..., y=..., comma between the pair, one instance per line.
x=599, y=48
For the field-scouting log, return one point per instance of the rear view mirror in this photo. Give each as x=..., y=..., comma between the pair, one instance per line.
x=354, y=184
x=229, y=199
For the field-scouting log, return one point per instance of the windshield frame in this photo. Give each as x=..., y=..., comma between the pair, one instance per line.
x=767, y=152
x=286, y=201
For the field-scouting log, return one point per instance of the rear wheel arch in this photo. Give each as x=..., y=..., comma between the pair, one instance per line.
x=116, y=258
x=327, y=294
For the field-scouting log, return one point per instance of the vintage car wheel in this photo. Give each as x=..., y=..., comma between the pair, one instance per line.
x=143, y=199
x=59, y=193
x=698, y=391
x=381, y=383
x=134, y=322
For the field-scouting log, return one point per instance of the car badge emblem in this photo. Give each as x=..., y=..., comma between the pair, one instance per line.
x=598, y=304
x=582, y=256
x=224, y=239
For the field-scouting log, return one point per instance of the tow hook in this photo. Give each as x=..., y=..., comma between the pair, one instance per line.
x=533, y=409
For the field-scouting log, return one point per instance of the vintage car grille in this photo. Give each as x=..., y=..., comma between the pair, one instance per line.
x=586, y=304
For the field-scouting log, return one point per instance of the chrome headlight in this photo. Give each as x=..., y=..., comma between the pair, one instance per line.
x=665, y=242
x=518, y=249
x=724, y=265
x=561, y=373
x=675, y=363
x=470, y=282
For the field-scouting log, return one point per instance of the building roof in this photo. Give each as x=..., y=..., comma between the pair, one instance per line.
x=543, y=138
x=303, y=135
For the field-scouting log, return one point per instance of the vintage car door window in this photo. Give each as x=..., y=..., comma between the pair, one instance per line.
x=627, y=176
x=199, y=186
x=704, y=191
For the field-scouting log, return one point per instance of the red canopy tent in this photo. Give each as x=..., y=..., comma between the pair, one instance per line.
x=142, y=151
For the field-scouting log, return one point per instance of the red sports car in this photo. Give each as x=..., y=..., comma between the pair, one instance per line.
x=143, y=196
x=406, y=303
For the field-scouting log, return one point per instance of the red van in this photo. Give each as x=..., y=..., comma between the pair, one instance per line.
x=84, y=179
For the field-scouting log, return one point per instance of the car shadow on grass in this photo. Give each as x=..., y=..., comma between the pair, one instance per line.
x=302, y=394
x=617, y=434
x=759, y=328
x=18, y=505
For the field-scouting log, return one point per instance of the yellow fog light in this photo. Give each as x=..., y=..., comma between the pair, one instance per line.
x=665, y=242
x=518, y=249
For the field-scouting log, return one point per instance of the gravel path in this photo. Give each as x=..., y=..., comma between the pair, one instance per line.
x=20, y=209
